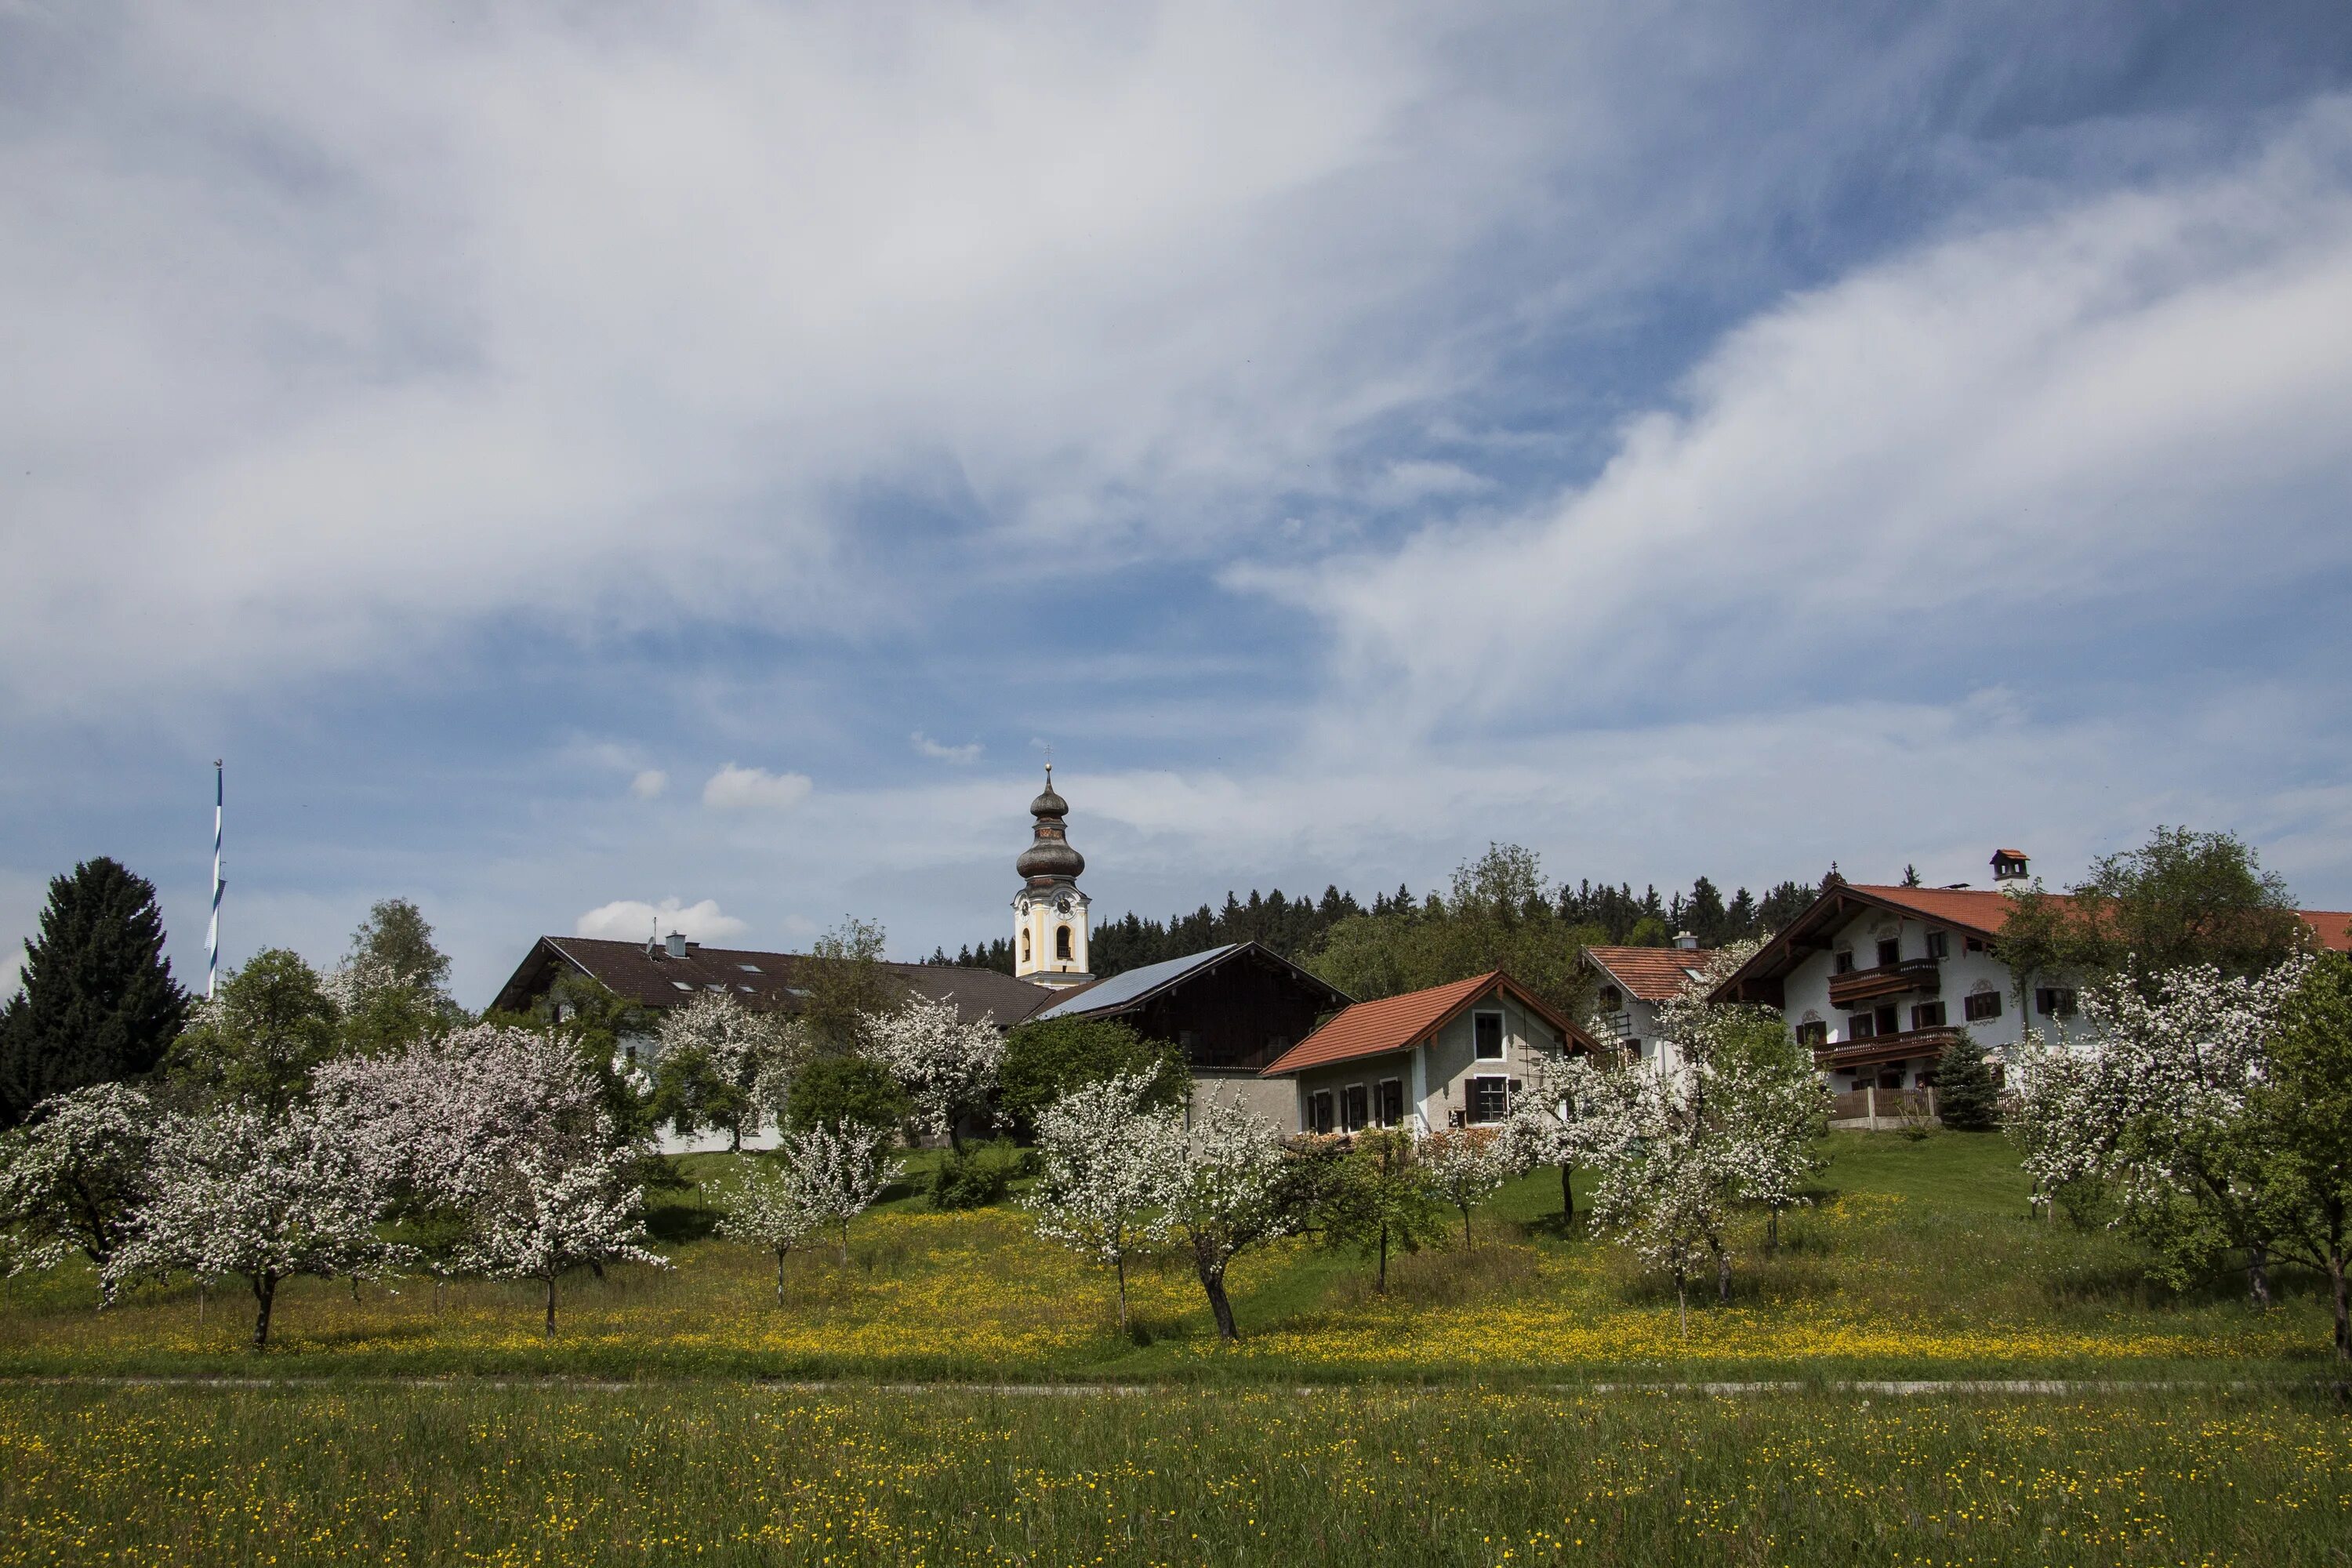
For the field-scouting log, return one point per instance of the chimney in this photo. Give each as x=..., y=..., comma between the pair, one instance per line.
x=676, y=941
x=1686, y=942
x=2009, y=868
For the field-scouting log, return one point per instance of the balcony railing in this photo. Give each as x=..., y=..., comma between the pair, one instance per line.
x=1887, y=980
x=1879, y=1048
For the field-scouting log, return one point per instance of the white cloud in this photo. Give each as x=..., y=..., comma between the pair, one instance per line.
x=734, y=788
x=925, y=746
x=632, y=919
x=1961, y=444
x=649, y=783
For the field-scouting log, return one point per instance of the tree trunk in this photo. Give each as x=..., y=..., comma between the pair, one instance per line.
x=265, y=1295
x=2258, y=1276
x=1120, y=1264
x=1772, y=1230
x=2343, y=1295
x=780, y=1277
x=1468, y=1241
x=1682, y=1301
x=844, y=1244
x=1212, y=1280
x=1722, y=1276
x=551, y=1306
x=1380, y=1280
x=1567, y=1194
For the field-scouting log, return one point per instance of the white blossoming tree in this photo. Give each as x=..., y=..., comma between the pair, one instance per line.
x=1110, y=1165
x=769, y=1212
x=545, y=1215
x=245, y=1191
x=2155, y=1099
x=1549, y=1127
x=1465, y=1166
x=1678, y=1152
x=72, y=1177
x=718, y=1065
x=497, y=1140
x=1228, y=1195
x=946, y=1066
x=835, y=1172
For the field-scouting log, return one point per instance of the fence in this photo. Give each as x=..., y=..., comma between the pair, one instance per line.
x=1883, y=1109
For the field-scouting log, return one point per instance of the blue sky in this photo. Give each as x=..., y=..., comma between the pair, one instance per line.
x=568, y=461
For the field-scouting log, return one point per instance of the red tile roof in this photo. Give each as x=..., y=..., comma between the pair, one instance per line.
x=1651, y=974
x=1400, y=1023
x=1989, y=911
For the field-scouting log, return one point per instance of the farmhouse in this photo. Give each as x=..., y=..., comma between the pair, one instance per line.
x=1878, y=980
x=1634, y=983
x=1452, y=1056
x=1231, y=1010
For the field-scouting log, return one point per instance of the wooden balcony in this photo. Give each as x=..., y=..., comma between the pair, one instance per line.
x=1880, y=1048
x=1859, y=985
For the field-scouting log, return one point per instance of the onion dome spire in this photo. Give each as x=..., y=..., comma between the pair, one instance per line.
x=1049, y=857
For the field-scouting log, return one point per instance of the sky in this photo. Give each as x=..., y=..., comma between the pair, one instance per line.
x=586, y=467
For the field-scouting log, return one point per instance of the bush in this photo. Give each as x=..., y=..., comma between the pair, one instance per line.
x=1966, y=1098
x=976, y=1178
x=1045, y=1060
x=836, y=1089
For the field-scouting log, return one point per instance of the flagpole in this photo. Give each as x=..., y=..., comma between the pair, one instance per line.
x=212, y=937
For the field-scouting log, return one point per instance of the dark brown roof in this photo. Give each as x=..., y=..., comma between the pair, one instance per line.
x=1651, y=974
x=772, y=982
x=1401, y=1022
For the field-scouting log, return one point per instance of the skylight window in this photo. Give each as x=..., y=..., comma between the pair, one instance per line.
x=749, y=968
x=681, y=984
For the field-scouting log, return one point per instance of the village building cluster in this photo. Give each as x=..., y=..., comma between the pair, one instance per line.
x=1877, y=980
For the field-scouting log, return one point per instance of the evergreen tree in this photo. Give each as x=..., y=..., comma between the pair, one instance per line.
x=1966, y=1098
x=98, y=1002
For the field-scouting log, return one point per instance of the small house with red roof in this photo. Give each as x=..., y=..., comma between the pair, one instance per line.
x=1633, y=982
x=1451, y=1056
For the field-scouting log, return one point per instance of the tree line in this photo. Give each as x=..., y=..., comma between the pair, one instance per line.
x=1589, y=913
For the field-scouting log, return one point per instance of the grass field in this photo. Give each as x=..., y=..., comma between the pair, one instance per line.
x=1505, y=1402
x=739, y=1474
x=1919, y=1261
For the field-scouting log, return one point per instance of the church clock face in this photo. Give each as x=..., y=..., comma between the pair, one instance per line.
x=1064, y=904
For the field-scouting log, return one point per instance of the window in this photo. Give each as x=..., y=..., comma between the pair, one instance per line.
x=1611, y=999
x=1975, y=944
x=1025, y=947
x=1927, y=1015
x=1490, y=1099
x=1061, y=941
x=1318, y=1112
x=1387, y=1102
x=1813, y=1036
x=1890, y=953
x=2054, y=1001
x=1486, y=1034
x=681, y=984
x=1940, y=945
x=630, y=1052
x=1886, y=1019
x=1355, y=1108
x=1983, y=1005
x=1860, y=1027
x=749, y=968
x=1843, y=963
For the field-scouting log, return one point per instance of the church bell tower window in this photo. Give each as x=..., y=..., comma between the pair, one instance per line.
x=1062, y=942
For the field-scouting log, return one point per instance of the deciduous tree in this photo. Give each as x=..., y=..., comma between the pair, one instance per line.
x=1228, y=1196
x=261, y=1035
x=1466, y=1167
x=1111, y=1161
x=262, y=1193
x=72, y=1177
x=946, y=1066
x=837, y=1171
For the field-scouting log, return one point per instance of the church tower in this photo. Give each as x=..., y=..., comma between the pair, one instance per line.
x=1049, y=913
